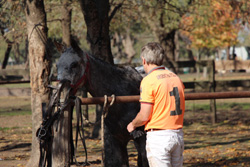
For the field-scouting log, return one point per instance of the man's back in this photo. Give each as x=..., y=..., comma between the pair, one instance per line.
x=165, y=91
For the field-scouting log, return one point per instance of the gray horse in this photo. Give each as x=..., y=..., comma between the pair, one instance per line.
x=101, y=78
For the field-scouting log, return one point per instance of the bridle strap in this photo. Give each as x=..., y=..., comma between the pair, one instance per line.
x=83, y=79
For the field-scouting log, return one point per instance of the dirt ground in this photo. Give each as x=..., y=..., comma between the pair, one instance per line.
x=226, y=144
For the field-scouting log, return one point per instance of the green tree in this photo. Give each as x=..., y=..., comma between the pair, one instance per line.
x=127, y=31
x=215, y=24
x=163, y=18
x=12, y=27
x=210, y=24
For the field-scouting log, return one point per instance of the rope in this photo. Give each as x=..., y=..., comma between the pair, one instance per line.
x=104, y=115
x=80, y=128
x=80, y=131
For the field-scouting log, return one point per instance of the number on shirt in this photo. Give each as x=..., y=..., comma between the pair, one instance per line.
x=176, y=95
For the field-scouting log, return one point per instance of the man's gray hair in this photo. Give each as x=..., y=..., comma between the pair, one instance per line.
x=153, y=53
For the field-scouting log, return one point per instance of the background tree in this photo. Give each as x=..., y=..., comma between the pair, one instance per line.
x=97, y=21
x=128, y=15
x=164, y=22
x=66, y=22
x=12, y=26
x=127, y=31
x=7, y=52
x=210, y=25
x=215, y=24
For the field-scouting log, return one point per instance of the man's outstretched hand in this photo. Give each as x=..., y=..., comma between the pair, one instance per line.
x=130, y=127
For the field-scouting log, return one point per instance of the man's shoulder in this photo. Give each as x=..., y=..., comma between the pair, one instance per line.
x=146, y=79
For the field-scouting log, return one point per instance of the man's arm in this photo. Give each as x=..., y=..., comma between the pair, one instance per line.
x=142, y=117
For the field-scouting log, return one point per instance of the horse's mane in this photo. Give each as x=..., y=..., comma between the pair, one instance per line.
x=115, y=69
x=123, y=78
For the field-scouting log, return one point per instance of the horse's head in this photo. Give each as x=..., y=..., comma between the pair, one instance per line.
x=71, y=64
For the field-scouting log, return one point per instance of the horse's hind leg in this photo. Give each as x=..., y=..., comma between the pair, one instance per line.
x=140, y=144
x=116, y=154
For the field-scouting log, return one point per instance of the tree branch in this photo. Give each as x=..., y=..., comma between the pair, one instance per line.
x=114, y=11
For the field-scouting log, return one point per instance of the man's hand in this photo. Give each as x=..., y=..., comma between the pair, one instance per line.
x=141, y=118
x=136, y=133
x=130, y=127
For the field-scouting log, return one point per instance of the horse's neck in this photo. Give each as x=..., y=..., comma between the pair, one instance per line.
x=106, y=79
x=98, y=78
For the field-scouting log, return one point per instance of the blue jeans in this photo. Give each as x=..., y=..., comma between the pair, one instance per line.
x=165, y=148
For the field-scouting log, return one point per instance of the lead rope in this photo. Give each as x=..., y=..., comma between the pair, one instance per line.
x=79, y=115
x=104, y=115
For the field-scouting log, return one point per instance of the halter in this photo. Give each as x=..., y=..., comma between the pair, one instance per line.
x=83, y=79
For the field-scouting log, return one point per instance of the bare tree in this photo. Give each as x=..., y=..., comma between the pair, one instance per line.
x=39, y=68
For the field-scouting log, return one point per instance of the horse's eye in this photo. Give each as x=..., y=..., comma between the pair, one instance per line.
x=73, y=65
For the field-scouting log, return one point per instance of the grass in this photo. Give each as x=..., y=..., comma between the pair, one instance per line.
x=20, y=85
x=7, y=128
x=11, y=106
x=3, y=112
x=219, y=105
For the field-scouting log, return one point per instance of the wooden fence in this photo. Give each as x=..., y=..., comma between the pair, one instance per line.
x=207, y=84
x=212, y=85
x=8, y=76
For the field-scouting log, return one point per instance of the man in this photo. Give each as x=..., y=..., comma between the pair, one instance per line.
x=162, y=110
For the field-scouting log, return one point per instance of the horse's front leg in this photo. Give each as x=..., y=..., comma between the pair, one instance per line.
x=116, y=154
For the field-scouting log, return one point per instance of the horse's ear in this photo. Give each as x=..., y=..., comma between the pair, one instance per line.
x=60, y=47
x=76, y=47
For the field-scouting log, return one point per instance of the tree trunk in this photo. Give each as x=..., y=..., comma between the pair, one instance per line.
x=17, y=54
x=177, y=46
x=167, y=41
x=190, y=54
x=228, y=52
x=7, y=52
x=63, y=140
x=6, y=56
x=39, y=68
x=116, y=43
x=61, y=146
x=66, y=22
x=128, y=47
x=97, y=21
x=26, y=56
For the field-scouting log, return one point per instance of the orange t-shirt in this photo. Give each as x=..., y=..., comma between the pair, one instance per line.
x=165, y=91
